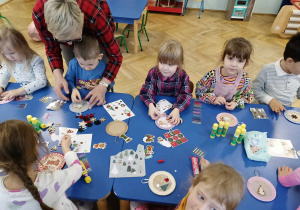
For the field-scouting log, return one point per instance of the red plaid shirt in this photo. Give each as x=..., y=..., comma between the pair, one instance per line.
x=177, y=85
x=98, y=21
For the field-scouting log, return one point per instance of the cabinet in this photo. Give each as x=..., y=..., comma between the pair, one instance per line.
x=171, y=6
x=239, y=9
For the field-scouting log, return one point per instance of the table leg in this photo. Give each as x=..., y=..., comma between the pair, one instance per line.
x=124, y=205
x=135, y=36
x=102, y=204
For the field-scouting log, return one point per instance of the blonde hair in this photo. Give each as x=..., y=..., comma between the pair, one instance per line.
x=171, y=52
x=19, y=143
x=63, y=18
x=13, y=40
x=88, y=48
x=238, y=47
x=225, y=184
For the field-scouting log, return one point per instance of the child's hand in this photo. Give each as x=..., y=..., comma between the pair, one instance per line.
x=66, y=143
x=1, y=90
x=284, y=171
x=220, y=101
x=230, y=105
x=276, y=106
x=153, y=112
x=174, y=117
x=204, y=163
x=8, y=95
x=76, y=96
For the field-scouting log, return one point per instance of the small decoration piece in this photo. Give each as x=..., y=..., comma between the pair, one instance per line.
x=163, y=123
x=226, y=117
x=148, y=138
x=54, y=148
x=149, y=152
x=163, y=142
x=162, y=183
x=99, y=146
x=79, y=107
x=126, y=138
x=198, y=152
x=261, y=191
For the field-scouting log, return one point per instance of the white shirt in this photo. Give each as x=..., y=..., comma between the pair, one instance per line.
x=31, y=80
x=51, y=186
x=272, y=82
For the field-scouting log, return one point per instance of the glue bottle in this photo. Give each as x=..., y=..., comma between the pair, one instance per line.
x=34, y=122
x=214, y=130
x=220, y=129
x=235, y=137
x=241, y=137
x=225, y=129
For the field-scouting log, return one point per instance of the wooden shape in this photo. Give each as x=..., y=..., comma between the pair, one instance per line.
x=116, y=128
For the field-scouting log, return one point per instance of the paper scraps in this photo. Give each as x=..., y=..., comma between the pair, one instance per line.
x=149, y=152
x=128, y=163
x=148, y=138
x=175, y=138
x=163, y=142
x=56, y=105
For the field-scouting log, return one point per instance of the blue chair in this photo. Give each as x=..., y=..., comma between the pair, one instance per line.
x=201, y=6
x=5, y=19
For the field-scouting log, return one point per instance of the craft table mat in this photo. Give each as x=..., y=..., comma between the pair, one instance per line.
x=216, y=150
x=98, y=159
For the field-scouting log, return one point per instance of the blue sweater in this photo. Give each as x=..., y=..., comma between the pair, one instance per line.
x=78, y=77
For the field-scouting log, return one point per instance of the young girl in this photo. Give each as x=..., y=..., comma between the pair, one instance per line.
x=169, y=79
x=218, y=187
x=24, y=187
x=289, y=178
x=20, y=61
x=229, y=84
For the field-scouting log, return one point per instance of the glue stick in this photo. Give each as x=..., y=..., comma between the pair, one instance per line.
x=225, y=129
x=220, y=129
x=195, y=164
x=243, y=126
x=235, y=137
x=34, y=121
x=239, y=128
x=29, y=118
x=241, y=137
x=214, y=130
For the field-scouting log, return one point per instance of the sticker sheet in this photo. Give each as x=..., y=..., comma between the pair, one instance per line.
x=175, y=138
x=25, y=97
x=118, y=110
x=163, y=105
x=128, y=163
x=281, y=148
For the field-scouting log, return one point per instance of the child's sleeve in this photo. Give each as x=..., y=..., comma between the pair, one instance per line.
x=259, y=87
x=38, y=68
x=291, y=179
x=185, y=96
x=4, y=76
x=71, y=75
x=245, y=95
x=149, y=88
x=298, y=93
x=204, y=88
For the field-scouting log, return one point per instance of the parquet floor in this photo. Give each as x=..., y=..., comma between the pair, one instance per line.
x=202, y=40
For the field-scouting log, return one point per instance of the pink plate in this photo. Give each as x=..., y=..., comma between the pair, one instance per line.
x=6, y=101
x=226, y=117
x=51, y=161
x=256, y=182
x=163, y=123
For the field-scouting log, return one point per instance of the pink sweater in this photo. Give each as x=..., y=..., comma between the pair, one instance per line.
x=291, y=179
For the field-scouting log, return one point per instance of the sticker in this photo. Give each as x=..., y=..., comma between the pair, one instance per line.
x=148, y=138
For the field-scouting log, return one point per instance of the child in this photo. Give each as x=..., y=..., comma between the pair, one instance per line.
x=86, y=69
x=278, y=83
x=169, y=79
x=218, y=186
x=21, y=62
x=23, y=186
x=229, y=84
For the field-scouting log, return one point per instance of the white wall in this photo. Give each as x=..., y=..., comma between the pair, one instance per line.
x=261, y=6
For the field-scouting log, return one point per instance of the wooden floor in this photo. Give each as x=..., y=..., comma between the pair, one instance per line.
x=202, y=40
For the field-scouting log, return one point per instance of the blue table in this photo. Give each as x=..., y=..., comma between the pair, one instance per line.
x=178, y=163
x=128, y=11
x=98, y=159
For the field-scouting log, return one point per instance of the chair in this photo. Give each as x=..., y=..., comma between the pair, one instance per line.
x=5, y=19
x=191, y=85
x=201, y=6
x=119, y=35
x=142, y=27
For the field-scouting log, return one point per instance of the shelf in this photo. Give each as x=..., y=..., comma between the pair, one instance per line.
x=176, y=9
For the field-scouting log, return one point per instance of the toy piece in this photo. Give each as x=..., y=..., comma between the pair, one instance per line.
x=160, y=161
x=225, y=129
x=37, y=124
x=220, y=128
x=214, y=130
x=87, y=178
x=235, y=137
x=241, y=137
